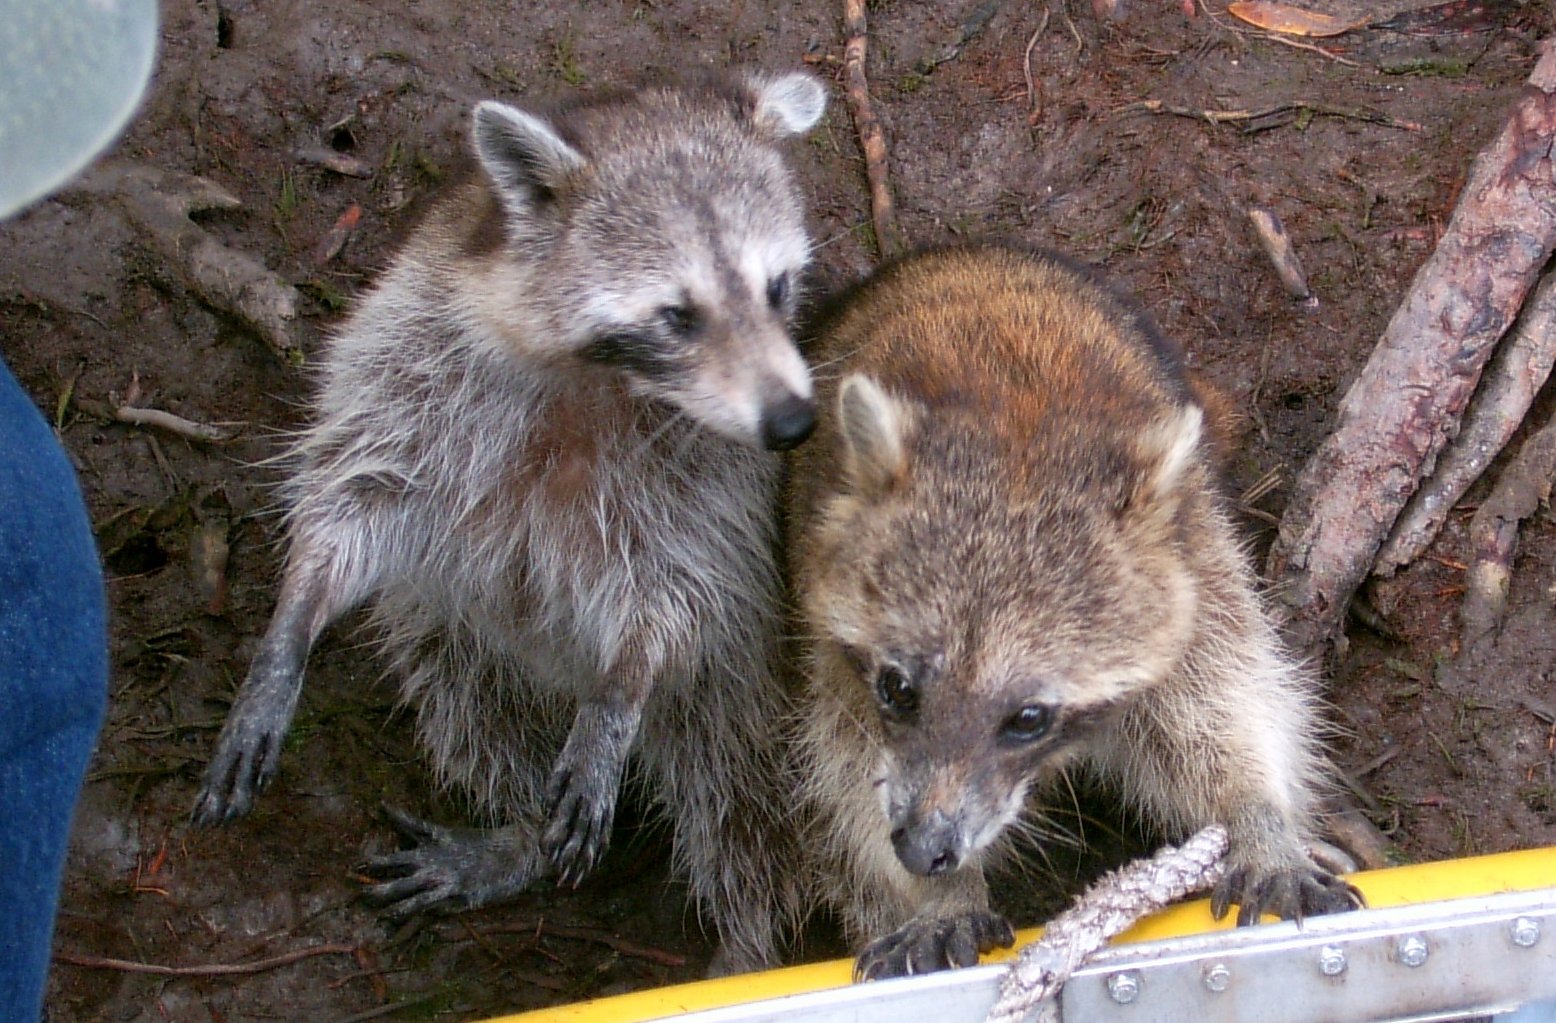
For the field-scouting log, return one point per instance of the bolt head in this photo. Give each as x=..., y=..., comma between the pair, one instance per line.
x=1124, y=987
x=1331, y=960
x=1525, y=932
x=1218, y=978
x=1412, y=950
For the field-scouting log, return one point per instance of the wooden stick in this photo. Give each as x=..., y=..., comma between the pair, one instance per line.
x=1524, y=485
x=889, y=240
x=216, y=970
x=1276, y=244
x=1408, y=399
x=1515, y=375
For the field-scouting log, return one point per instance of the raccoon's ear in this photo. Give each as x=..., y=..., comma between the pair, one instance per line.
x=790, y=105
x=523, y=154
x=1169, y=447
x=871, y=423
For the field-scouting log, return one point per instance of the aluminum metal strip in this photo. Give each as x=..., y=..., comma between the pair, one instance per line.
x=1447, y=960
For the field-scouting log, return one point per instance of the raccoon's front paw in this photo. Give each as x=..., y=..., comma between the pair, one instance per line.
x=579, y=813
x=447, y=868
x=1290, y=893
x=581, y=795
x=927, y=944
x=245, y=759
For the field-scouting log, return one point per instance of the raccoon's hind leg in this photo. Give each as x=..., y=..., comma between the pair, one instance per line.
x=453, y=868
x=249, y=748
x=712, y=756
x=488, y=737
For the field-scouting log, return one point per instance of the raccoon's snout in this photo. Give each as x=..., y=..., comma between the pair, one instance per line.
x=927, y=847
x=786, y=424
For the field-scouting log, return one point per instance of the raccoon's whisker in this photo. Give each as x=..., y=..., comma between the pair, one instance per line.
x=644, y=446
x=816, y=369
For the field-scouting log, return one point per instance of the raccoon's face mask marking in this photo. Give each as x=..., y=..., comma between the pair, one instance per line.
x=674, y=247
x=710, y=335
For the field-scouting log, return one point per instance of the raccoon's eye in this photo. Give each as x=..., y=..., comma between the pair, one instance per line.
x=1029, y=723
x=680, y=319
x=778, y=291
x=896, y=691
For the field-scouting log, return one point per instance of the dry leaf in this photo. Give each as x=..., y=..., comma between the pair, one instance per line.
x=1288, y=20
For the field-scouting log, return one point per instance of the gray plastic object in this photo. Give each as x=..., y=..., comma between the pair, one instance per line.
x=71, y=74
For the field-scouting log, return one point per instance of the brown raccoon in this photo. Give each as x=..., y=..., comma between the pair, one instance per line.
x=1011, y=559
x=538, y=454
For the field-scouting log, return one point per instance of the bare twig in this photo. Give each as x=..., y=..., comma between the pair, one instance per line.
x=136, y=416
x=1034, y=101
x=888, y=236
x=1359, y=837
x=92, y=962
x=1297, y=44
x=1247, y=117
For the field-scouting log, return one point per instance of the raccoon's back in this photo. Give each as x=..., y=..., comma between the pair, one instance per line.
x=1010, y=334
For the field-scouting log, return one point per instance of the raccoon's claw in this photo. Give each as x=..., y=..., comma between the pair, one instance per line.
x=927, y=944
x=444, y=869
x=578, y=826
x=245, y=760
x=1290, y=894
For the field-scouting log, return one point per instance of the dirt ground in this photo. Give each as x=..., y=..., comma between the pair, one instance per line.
x=1022, y=129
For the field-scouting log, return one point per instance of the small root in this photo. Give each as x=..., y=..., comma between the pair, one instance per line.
x=92, y=962
x=889, y=239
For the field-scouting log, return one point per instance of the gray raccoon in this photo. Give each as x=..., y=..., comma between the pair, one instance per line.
x=1010, y=559
x=538, y=454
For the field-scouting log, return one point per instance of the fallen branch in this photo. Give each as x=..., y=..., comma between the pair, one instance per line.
x=1248, y=117
x=1515, y=375
x=1524, y=485
x=159, y=203
x=92, y=962
x=889, y=240
x=1407, y=402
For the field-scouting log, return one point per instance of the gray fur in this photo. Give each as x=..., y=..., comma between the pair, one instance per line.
x=557, y=507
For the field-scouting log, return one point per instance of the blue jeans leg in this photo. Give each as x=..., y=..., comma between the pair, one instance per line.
x=53, y=685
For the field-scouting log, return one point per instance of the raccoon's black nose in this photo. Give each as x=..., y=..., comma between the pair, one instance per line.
x=928, y=849
x=787, y=423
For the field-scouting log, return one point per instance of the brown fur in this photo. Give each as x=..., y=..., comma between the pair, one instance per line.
x=1009, y=516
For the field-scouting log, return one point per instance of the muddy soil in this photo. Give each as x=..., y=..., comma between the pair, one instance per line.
x=1025, y=129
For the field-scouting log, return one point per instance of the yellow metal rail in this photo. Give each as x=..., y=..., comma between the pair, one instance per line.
x=1396, y=886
